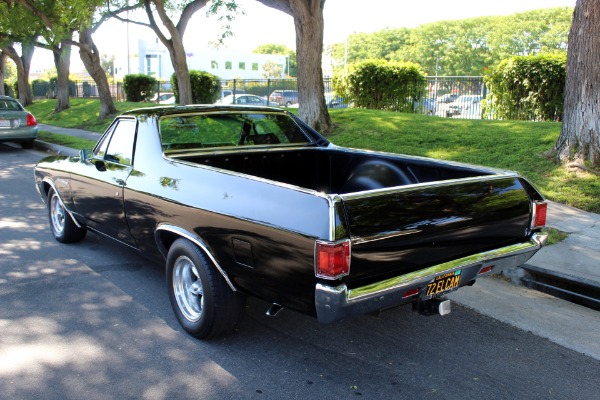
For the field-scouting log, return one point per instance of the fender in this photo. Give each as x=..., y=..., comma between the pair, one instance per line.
x=194, y=239
x=51, y=183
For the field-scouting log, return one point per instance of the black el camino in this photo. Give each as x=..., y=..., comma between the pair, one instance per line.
x=239, y=201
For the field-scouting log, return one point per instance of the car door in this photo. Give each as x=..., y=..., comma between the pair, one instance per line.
x=98, y=181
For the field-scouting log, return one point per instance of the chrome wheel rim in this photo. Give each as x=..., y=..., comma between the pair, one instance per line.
x=57, y=215
x=187, y=288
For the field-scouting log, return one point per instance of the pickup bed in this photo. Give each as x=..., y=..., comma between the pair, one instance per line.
x=250, y=201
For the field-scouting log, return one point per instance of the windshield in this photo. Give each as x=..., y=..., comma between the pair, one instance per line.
x=198, y=131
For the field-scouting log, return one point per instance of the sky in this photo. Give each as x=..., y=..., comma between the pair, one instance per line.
x=262, y=25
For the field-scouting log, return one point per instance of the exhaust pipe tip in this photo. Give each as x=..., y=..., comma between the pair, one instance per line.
x=274, y=310
x=433, y=307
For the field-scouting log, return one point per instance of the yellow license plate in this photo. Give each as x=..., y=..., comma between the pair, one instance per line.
x=443, y=283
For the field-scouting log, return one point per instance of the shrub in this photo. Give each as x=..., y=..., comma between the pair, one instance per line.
x=527, y=88
x=8, y=91
x=382, y=85
x=139, y=87
x=206, y=87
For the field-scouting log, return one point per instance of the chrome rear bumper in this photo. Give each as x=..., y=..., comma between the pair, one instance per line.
x=339, y=302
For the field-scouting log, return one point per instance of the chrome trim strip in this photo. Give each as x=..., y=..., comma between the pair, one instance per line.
x=335, y=303
x=112, y=238
x=406, y=188
x=331, y=202
x=51, y=183
x=200, y=243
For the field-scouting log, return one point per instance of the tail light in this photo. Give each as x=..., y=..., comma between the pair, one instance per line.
x=538, y=219
x=332, y=260
x=31, y=120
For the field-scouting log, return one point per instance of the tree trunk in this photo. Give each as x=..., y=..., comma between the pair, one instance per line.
x=309, y=24
x=90, y=56
x=182, y=73
x=23, y=63
x=579, y=138
x=175, y=43
x=2, y=67
x=62, y=60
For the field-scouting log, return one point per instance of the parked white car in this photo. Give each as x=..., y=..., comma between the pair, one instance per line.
x=467, y=106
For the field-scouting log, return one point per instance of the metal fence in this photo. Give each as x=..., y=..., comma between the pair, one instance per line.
x=444, y=96
x=81, y=89
x=455, y=96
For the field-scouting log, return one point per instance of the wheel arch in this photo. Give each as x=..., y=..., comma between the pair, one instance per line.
x=48, y=184
x=166, y=234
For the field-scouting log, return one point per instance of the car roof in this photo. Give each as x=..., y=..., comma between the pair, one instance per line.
x=161, y=111
x=200, y=108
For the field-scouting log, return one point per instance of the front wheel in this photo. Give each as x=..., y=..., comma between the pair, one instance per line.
x=203, y=303
x=61, y=224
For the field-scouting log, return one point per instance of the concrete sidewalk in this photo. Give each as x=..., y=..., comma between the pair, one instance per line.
x=568, y=269
x=69, y=131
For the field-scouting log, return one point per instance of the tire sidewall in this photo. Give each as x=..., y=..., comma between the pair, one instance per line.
x=71, y=233
x=58, y=236
x=201, y=327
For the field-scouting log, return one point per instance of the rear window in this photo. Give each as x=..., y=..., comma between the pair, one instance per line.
x=10, y=105
x=207, y=131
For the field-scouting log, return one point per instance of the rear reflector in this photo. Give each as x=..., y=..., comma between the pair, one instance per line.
x=411, y=293
x=538, y=219
x=485, y=270
x=332, y=260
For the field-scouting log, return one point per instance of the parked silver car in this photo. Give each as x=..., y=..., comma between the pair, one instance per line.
x=16, y=124
x=245, y=99
x=465, y=105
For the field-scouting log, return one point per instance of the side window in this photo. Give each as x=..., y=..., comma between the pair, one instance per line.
x=120, y=147
x=100, y=149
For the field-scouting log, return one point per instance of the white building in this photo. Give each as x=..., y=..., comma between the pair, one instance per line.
x=152, y=58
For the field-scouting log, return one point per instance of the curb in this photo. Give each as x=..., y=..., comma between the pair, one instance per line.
x=55, y=148
x=582, y=291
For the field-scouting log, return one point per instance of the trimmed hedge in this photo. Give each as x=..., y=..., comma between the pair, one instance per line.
x=382, y=85
x=139, y=87
x=529, y=88
x=206, y=87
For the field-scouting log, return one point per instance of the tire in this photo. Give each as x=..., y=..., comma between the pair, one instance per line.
x=62, y=226
x=203, y=303
x=27, y=144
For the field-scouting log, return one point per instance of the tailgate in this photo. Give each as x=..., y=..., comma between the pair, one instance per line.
x=402, y=230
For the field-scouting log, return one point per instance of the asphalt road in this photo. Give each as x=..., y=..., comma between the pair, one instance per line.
x=92, y=320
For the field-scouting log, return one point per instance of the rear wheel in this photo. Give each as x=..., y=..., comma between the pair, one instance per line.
x=203, y=303
x=62, y=226
x=27, y=144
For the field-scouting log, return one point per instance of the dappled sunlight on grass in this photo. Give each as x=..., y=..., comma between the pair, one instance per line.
x=511, y=145
x=452, y=155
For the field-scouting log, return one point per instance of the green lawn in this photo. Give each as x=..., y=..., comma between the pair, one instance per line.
x=513, y=145
x=83, y=113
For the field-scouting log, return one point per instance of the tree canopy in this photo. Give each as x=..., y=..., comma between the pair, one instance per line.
x=462, y=47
